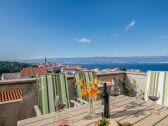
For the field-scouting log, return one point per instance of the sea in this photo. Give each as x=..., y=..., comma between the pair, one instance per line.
x=144, y=67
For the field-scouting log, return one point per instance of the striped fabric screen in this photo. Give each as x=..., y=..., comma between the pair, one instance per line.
x=157, y=80
x=86, y=77
x=52, y=87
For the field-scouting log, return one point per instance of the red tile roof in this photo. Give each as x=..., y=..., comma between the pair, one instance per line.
x=33, y=71
x=10, y=95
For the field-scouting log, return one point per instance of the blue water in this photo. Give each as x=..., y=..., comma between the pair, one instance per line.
x=142, y=66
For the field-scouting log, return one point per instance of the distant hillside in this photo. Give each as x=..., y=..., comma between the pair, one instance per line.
x=11, y=67
x=104, y=60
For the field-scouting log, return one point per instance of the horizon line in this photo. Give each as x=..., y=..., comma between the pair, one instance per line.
x=81, y=57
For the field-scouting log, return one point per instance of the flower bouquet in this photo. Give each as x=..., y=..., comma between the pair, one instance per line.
x=89, y=91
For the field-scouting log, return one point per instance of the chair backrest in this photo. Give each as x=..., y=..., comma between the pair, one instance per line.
x=51, y=88
x=157, y=80
x=86, y=77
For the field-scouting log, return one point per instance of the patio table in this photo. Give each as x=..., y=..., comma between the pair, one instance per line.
x=137, y=112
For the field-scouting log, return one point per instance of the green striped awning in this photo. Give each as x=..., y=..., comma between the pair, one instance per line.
x=52, y=87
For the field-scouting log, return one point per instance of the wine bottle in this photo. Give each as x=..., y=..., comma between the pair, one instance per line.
x=105, y=102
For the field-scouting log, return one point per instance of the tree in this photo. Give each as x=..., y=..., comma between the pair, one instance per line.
x=12, y=67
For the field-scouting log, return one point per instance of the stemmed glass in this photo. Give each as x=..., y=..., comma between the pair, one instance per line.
x=115, y=91
x=153, y=95
x=62, y=114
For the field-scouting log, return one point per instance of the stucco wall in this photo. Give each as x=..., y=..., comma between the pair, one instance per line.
x=117, y=76
x=140, y=79
x=11, y=112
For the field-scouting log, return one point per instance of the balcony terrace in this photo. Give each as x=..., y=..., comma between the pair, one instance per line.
x=12, y=112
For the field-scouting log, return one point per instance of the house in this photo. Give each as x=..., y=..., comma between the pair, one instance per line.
x=32, y=72
x=10, y=76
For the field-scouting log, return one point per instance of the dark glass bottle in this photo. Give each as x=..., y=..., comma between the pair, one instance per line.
x=105, y=102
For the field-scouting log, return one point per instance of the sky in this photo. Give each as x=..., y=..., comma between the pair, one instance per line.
x=31, y=29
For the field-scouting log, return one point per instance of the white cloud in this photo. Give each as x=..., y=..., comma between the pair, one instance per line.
x=83, y=40
x=163, y=36
x=130, y=25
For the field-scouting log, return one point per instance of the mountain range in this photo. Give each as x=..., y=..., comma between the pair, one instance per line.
x=102, y=60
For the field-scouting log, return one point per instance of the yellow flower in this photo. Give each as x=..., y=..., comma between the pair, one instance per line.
x=79, y=82
x=84, y=91
x=93, y=91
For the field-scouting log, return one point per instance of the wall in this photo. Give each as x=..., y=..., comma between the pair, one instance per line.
x=116, y=77
x=140, y=79
x=11, y=112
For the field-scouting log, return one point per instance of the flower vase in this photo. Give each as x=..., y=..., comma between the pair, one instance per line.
x=90, y=113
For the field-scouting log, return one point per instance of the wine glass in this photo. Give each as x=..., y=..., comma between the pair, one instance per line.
x=153, y=95
x=62, y=115
x=115, y=91
x=59, y=104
